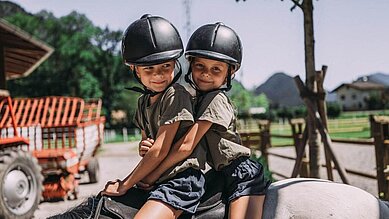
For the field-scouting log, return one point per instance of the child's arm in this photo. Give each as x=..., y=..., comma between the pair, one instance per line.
x=155, y=155
x=181, y=150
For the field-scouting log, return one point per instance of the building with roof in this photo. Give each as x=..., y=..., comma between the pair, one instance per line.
x=355, y=96
x=21, y=53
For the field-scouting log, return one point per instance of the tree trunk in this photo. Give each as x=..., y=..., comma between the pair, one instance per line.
x=313, y=135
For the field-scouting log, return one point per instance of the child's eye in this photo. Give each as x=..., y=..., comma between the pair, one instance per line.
x=148, y=68
x=198, y=66
x=216, y=70
x=166, y=66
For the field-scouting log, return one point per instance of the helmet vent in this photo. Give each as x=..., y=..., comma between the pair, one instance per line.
x=215, y=32
x=151, y=33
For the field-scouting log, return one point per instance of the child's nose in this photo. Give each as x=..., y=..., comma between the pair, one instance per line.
x=158, y=72
x=205, y=73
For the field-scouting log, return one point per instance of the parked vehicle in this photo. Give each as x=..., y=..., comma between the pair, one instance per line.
x=46, y=144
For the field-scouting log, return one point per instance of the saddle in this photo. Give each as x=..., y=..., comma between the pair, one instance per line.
x=212, y=205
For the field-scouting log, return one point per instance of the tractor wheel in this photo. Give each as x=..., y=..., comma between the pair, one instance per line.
x=93, y=170
x=20, y=184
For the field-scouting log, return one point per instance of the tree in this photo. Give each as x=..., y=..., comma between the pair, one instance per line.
x=240, y=97
x=334, y=110
x=375, y=102
x=86, y=62
x=310, y=71
x=65, y=72
x=261, y=101
x=244, y=99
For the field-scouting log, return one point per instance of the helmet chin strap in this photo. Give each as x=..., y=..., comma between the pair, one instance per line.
x=146, y=91
x=194, y=85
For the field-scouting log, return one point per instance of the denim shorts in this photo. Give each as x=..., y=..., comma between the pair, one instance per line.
x=183, y=191
x=244, y=177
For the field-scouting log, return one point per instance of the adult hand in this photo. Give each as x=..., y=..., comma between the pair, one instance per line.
x=145, y=145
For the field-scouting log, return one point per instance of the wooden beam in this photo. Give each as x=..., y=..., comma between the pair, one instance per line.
x=3, y=84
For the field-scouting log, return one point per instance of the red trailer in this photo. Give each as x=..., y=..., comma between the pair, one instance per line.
x=62, y=133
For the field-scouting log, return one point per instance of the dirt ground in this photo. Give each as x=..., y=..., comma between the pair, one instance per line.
x=351, y=156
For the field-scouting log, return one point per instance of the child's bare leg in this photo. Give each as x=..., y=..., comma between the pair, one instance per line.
x=157, y=209
x=252, y=204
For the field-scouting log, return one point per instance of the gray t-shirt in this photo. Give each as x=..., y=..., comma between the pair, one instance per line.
x=222, y=140
x=174, y=105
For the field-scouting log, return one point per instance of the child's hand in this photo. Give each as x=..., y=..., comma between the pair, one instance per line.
x=145, y=145
x=144, y=186
x=114, y=188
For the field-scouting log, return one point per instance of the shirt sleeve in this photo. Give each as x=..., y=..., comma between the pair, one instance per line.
x=177, y=106
x=216, y=108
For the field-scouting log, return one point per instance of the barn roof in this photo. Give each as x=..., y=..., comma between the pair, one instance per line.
x=362, y=85
x=22, y=52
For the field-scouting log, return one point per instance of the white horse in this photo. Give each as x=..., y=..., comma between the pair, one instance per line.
x=316, y=198
x=304, y=198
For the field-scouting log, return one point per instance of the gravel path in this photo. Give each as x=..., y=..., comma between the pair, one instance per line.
x=116, y=161
x=351, y=156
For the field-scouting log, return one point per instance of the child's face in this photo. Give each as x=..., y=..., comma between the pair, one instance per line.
x=209, y=74
x=156, y=77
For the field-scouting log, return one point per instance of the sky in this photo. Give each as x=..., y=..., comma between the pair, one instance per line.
x=351, y=36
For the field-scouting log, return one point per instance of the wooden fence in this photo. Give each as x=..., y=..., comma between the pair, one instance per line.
x=379, y=129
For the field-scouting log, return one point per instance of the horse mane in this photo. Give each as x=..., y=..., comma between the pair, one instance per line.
x=84, y=210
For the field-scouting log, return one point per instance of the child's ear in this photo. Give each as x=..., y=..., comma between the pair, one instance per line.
x=133, y=67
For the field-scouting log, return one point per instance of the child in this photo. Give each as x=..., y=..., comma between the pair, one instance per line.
x=215, y=54
x=151, y=47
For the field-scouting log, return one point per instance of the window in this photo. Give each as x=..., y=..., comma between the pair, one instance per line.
x=342, y=97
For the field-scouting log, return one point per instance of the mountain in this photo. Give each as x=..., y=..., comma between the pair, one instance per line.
x=379, y=78
x=281, y=91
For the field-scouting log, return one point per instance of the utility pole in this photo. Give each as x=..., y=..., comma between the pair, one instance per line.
x=187, y=27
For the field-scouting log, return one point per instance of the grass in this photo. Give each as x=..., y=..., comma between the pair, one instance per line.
x=362, y=114
x=352, y=126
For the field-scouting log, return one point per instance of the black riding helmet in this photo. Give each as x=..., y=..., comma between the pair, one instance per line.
x=151, y=40
x=218, y=42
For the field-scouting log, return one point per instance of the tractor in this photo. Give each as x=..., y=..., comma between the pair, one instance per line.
x=46, y=143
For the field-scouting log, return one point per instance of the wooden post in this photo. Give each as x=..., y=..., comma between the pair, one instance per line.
x=3, y=76
x=264, y=130
x=300, y=140
x=379, y=127
x=322, y=109
x=312, y=111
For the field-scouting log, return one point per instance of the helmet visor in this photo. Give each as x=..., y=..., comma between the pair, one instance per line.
x=156, y=58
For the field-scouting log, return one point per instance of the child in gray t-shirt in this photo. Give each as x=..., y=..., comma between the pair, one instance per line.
x=151, y=47
x=215, y=54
